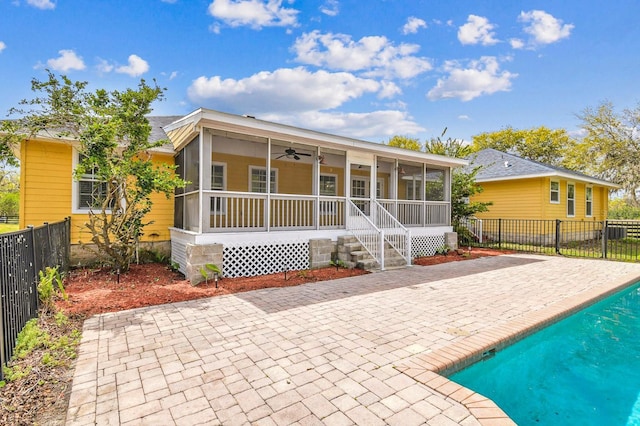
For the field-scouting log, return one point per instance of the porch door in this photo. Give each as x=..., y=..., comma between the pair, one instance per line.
x=360, y=193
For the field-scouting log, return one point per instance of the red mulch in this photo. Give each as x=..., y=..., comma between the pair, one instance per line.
x=94, y=291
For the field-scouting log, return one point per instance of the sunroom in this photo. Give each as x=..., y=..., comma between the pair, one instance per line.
x=265, y=196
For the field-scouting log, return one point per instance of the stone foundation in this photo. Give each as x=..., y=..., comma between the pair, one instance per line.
x=321, y=252
x=451, y=240
x=198, y=257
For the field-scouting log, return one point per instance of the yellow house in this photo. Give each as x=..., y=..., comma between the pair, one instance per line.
x=263, y=197
x=49, y=193
x=525, y=189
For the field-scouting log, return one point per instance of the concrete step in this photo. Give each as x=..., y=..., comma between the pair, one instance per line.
x=360, y=255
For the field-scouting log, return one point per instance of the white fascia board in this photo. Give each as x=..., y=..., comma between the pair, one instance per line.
x=567, y=176
x=256, y=127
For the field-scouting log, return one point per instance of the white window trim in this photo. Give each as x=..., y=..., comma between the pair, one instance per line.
x=551, y=192
x=380, y=181
x=273, y=170
x=223, y=204
x=587, y=201
x=75, y=191
x=573, y=199
x=334, y=176
x=415, y=188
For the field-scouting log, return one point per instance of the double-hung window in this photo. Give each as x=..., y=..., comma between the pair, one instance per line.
x=554, y=196
x=571, y=199
x=218, y=183
x=258, y=180
x=588, y=195
x=90, y=192
x=328, y=188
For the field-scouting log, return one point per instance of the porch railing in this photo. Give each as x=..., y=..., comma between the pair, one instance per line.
x=419, y=213
x=228, y=211
x=240, y=211
x=366, y=232
x=395, y=233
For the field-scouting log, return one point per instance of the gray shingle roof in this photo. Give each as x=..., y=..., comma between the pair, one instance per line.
x=157, y=123
x=500, y=165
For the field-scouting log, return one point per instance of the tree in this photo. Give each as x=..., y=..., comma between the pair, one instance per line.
x=405, y=142
x=610, y=148
x=538, y=144
x=463, y=180
x=113, y=135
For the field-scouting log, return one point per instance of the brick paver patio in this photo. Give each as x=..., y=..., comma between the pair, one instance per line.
x=359, y=350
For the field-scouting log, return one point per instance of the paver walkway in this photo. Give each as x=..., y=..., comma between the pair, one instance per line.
x=321, y=353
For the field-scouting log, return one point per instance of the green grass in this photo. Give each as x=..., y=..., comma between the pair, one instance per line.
x=8, y=227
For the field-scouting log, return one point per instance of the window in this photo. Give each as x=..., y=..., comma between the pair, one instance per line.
x=571, y=199
x=328, y=188
x=413, y=189
x=554, y=196
x=89, y=191
x=328, y=185
x=588, y=195
x=258, y=180
x=380, y=189
x=218, y=183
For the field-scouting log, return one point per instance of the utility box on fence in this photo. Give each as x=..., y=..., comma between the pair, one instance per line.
x=616, y=232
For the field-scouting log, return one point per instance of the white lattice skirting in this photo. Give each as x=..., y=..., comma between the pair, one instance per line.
x=426, y=245
x=261, y=259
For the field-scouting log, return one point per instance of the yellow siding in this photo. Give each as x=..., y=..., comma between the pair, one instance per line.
x=531, y=199
x=47, y=185
x=293, y=177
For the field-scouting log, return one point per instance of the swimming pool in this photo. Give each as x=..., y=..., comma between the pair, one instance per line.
x=582, y=370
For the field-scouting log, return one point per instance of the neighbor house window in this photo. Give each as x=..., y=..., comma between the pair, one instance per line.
x=89, y=192
x=218, y=183
x=555, y=192
x=571, y=200
x=258, y=180
x=588, y=195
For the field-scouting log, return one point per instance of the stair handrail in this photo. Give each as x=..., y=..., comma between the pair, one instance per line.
x=396, y=234
x=369, y=235
x=474, y=225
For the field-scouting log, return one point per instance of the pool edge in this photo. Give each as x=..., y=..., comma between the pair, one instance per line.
x=430, y=368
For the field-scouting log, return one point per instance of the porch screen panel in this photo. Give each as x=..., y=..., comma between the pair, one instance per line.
x=435, y=189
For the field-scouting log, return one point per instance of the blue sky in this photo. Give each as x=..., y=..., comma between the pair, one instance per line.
x=366, y=69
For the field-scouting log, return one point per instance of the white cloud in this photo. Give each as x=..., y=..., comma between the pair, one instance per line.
x=137, y=66
x=375, y=56
x=375, y=124
x=104, y=66
x=413, y=25
x=2, y=46
x=173, y=75
x=42, y=4
x=330, y=7
x=463, y=117
x=68, y=60
x=169, y=1
x=477, y=30
x=543, y=27
x=516, y=43
x=253, y=13
x=286, y=90
x=480, y=77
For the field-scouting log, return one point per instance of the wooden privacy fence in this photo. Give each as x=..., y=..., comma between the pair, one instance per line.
x=608, y=239
x=22, y=255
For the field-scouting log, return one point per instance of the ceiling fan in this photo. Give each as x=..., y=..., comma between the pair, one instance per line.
x=292, y=153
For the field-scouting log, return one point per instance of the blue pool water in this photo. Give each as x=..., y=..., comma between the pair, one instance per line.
x=584, y=370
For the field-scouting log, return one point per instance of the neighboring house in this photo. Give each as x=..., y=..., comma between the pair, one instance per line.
x=262, y=197
x=525, y=189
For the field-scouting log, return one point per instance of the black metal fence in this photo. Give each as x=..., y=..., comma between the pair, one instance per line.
x=22, y=255
x=609, y=239
x=9, y=219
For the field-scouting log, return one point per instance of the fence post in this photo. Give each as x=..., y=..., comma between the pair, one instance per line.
x=558, y=222
x=605, y=237
x=499, y=233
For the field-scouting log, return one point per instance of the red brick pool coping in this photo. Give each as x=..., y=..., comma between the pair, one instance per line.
x=431, y=368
